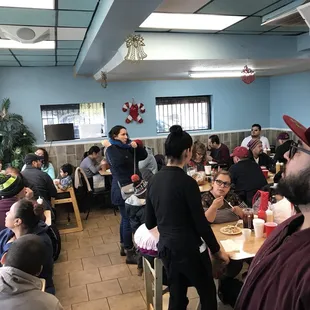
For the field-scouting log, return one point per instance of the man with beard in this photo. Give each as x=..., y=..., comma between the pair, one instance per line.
x=279, y=276
x=256, y=154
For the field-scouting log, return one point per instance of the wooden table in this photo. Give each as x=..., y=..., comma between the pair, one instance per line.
x=248, y=248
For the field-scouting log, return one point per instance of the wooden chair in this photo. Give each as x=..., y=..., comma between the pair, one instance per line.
x=72, y=200
x=153, y=282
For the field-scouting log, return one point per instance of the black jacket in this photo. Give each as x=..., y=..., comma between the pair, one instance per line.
x=40, y=182
x=173, y=204
x=281, y=150
x=263, y=161
x=247, y=178
x=121, y=162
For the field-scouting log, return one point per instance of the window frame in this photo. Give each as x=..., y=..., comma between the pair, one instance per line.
x=207, y=99
x=68, y=106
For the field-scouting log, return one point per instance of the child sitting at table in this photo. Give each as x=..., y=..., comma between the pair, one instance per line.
x=65, y=180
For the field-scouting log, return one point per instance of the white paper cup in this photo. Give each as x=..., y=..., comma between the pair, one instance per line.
x=246, y=232
x=259, y=226
x=208, y=170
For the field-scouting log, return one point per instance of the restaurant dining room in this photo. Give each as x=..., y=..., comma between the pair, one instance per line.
x=154, y=155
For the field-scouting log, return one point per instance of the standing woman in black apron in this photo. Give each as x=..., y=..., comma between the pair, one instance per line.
x=174, y=205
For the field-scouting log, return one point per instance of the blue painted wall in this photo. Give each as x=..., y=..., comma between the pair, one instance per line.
x=290, y=94
x=235, y=105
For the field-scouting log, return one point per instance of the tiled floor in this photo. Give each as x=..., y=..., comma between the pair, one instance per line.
x=91, y=275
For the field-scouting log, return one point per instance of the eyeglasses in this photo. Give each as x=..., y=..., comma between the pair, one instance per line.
x=294, y=148
x=220, y=183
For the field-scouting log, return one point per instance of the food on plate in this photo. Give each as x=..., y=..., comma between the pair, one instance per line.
x=231, y=230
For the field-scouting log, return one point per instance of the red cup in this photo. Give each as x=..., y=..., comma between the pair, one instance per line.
x=265, y=173
x=270, y=227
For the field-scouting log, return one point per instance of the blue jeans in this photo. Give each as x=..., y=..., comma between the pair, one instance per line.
x=125, y=228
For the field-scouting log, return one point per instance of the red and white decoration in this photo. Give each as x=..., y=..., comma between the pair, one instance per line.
x=248, y=75
x=133, y=109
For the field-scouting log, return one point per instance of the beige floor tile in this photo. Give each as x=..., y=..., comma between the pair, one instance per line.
x=106, y=249
x=115, y=229
x=63, y=237
x=90, y=223
x=193, y=304
x=100, y=304
x=70, y=245
x=90, y=241
x=99, y=231
x=61, y=281
x=77, y=235
x=67, y=307
x=66, y=267
x=131, y=301
x=143, y=294
x=103, y=289
x=111, y=238
x=131, y=284
x=192, y=293
x=116, y=259
x=63, y=257
x=72, y=295
x=80, y=253
x=96, y=261
x=114, y=272
x=108, y=222
x=133, y=269
x=84, y=277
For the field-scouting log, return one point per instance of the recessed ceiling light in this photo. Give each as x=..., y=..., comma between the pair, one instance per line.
x=190, y=21
x=44, y=45
x=214, y=74
x=34, y=4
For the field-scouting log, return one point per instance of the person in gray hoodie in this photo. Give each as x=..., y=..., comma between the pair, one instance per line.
x=20, y=288
x=149, y=163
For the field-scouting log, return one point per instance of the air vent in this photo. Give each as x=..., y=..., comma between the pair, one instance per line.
x=287, y=16
x=25, y=34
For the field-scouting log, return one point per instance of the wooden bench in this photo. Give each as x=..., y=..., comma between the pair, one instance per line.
x=71, y=199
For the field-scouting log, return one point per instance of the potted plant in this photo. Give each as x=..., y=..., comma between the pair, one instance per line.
x=16, y=140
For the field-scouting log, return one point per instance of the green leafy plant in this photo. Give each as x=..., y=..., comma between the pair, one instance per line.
x=16, y=140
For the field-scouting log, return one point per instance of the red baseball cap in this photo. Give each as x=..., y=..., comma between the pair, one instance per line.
x=241, y=152
x=299, y=130
x=139, y=142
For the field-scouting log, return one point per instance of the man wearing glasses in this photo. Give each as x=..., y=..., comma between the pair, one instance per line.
x=279, y=276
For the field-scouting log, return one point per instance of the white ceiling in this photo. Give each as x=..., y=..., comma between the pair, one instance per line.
x=178, y=69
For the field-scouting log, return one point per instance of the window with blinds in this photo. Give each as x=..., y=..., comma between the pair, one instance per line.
x=80, y=114
x=192, y=113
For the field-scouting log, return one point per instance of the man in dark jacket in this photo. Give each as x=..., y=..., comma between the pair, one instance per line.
x=35, y=178
x=285, y=143
x=279, y=275
x=257, y=155
x=247, y=176
x=219, y=151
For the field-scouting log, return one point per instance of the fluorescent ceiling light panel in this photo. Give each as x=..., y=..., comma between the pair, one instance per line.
x=44, y=45
x=190, y=21
x=214, y=74
x=33, y=4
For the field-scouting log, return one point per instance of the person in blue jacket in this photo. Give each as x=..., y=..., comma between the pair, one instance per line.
x=24, y=218
x=120, y=155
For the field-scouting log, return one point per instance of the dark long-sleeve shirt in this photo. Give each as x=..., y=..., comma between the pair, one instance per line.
x=221, y=155
x=174, y=205
x=281, y=150
x=40, y=182
x=279, y=275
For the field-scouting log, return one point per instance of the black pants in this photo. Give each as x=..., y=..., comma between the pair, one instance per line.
x=186, y=269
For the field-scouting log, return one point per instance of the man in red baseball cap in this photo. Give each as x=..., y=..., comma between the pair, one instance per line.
x=246, y=175
x=279, y=276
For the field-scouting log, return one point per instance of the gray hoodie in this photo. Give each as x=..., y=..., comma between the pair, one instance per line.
x=149, y=163
x=22, y=291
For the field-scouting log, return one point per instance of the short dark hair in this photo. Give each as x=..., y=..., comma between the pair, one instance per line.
x=177, y=142
x=27, y=254
x=67, y=168
x=30, y=213
x=258, y=126
x=215, y=139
